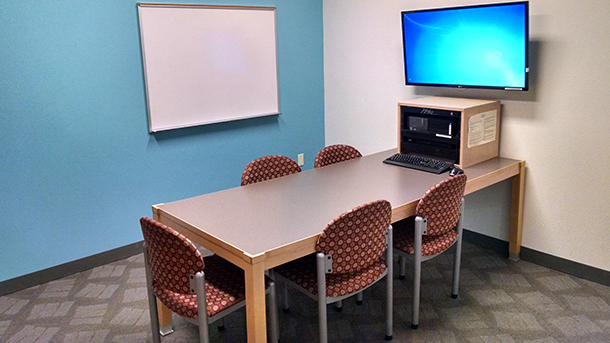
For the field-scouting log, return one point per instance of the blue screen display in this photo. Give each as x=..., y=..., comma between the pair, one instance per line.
x=479, y=46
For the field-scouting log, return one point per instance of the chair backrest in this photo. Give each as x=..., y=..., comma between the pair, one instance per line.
x=267, y=168
x=172, y=257
x=441, y=205
x=335, y=154
x=357, y=238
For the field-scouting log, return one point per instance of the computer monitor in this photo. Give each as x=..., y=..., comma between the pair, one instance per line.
x=482, y=46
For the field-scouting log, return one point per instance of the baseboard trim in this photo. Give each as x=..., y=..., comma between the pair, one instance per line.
x=69, y=268
x=580, y=270
x=496, y=245
x=569, y=267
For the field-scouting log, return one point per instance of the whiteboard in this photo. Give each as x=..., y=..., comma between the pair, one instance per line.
x=208, y=64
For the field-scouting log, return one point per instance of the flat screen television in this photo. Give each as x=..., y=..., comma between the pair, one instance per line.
x=482, y=46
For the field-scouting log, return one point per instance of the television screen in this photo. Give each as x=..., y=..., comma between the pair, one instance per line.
x=482, y=46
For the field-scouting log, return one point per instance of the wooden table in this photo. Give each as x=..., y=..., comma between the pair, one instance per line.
x=263, y=225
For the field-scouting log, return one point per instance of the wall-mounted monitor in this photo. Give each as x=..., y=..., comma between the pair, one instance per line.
x=482, y=46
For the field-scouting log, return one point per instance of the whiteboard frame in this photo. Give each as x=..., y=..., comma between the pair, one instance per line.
x=202, y=120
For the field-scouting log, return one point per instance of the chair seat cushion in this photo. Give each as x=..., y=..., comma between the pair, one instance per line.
x=303, y=273
x=431, y=245
x=224, y=284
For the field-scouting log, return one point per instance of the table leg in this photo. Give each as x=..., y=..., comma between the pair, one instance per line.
x=165, y=319
x=255, y=303
x=516, y=213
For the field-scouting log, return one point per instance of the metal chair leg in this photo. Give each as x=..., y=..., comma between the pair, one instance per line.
x=359, y=297
x=221, y=324
x=455, y=283
x=274, y=324
x=339, y=306
x=403, y=267
x=321, y=278
x=202, y=308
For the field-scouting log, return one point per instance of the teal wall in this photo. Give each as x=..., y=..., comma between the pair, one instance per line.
x=78, y=166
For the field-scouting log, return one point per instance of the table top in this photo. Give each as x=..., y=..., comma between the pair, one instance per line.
x=263, y=216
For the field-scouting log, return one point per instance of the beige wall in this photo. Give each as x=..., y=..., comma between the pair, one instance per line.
x=559, y=127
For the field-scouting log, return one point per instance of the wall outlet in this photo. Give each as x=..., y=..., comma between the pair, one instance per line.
x=301, y=160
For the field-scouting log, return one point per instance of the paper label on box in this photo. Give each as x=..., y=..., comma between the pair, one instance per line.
x=482, y=128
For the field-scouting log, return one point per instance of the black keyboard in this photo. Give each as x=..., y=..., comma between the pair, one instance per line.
x=424, y=163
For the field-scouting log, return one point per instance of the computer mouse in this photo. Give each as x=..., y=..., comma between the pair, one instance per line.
x=456, y=171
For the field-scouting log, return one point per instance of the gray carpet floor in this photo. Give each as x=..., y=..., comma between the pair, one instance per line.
x=500, y=301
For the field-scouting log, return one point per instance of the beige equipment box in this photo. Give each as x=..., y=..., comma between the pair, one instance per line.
x=474, y=140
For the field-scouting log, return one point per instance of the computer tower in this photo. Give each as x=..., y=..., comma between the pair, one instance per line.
x=465, y=131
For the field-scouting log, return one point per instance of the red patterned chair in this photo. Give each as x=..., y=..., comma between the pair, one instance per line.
x=335, y=154
x=436, y=227
x=350, y=259
x=267, y=168
x=177, y=275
